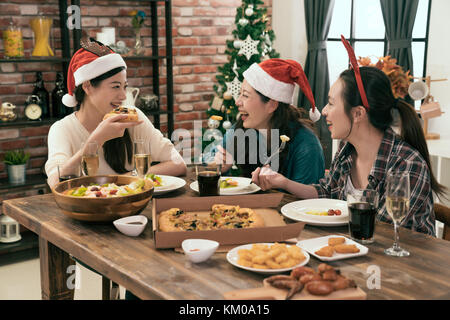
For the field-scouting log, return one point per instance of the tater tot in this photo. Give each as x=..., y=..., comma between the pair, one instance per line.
x=261, y=258
x=259, y=266
x=244, y=263
x=272, y=264
x=289, y=263
x=282, y=257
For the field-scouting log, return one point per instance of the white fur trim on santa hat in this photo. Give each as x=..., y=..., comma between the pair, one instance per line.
x=98, y=67
x=69, y=101
x=272, y=88
x=314, y=116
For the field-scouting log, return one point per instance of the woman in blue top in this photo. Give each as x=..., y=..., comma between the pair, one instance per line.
x=266, y=114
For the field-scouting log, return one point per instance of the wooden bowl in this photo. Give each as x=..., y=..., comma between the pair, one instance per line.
x=101, y=209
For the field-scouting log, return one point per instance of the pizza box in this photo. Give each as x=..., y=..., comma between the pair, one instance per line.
x=266, y=205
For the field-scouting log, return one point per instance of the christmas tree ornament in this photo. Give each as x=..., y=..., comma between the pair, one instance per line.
x=214, y=122
x=235, y=88
x=243, y=22
x=235, y=69
x=249, y=11
x=249, y=47
x=227, y=95
x=237, y=44
x=227, y=123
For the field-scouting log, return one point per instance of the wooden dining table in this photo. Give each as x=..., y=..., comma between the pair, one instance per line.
x=150, y=273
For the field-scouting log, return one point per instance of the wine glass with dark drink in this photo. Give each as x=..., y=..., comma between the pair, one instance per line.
x=67, y=172
x=362, y=211
x=397, y=205
x=208, y=176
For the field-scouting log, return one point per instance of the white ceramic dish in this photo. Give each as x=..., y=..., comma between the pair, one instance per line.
x=297, y=211
x=168, y=184
x=131, y=226
x=232, y=257
x=199, y=250
x=312, y=245
x=244, y=187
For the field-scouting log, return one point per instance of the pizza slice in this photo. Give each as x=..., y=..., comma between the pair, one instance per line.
x=131, y=112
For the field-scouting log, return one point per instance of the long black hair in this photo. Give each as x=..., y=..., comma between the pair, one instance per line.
x=382, y=101
x=117, y=151
x=287, y=119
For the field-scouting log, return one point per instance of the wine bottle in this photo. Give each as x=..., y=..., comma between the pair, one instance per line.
x=40, y=91
x=59, y=110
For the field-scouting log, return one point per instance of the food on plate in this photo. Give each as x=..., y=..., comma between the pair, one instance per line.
x=286, y=282
x=157, y=181
x=330, y=212
x=346, y=248
x=220, y=217
x=321, y=282
x=336, y=244
x=326, y=251
x=228, y=183
x=131, y=112
x=276, y=256
x=333, y=241
x=108, y=190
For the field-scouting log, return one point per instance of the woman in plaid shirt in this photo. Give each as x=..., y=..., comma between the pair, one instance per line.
x=369, y=149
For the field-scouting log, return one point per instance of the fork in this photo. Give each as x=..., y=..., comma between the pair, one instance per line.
x=280, y=149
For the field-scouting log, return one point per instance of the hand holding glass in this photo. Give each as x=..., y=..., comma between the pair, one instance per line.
x=397, y=205
x=142, y=158
x=89, y=159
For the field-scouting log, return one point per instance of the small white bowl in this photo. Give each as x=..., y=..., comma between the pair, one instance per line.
x=199, y=250
x=131, y=226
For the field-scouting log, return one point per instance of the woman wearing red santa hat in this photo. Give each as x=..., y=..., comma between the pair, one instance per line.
x=96, y=82
x=266, y=113
x=360, y=112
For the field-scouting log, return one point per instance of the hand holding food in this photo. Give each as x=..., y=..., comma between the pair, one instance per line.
x=130, y=112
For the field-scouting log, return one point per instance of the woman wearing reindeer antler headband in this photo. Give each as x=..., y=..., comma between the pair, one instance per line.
x=360, y=112
x=265, y=105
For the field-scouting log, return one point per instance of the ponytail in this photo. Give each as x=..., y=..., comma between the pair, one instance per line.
x=412, y=133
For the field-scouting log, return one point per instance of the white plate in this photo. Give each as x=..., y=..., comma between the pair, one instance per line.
x=168, y=184
x=297, y=211
x=312, y=245
x=244, y=187
x=232, y=257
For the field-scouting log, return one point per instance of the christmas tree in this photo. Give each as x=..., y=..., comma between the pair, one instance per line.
x=252, y=43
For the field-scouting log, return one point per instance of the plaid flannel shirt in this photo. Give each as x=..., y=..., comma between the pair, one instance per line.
x=393, y=154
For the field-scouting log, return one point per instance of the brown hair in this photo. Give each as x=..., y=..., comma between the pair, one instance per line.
x=382, y=101
x=119, y=150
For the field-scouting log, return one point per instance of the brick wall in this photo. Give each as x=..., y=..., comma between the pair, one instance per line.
x=200, y=29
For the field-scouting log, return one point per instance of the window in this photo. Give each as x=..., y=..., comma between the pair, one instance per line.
x=361, y=22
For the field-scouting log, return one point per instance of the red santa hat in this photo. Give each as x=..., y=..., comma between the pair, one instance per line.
x=276, y=79
x=89, y=62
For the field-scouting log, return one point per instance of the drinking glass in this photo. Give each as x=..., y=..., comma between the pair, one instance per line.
x=66, y=172
x=142, y=157
x=362, y=210
x=89, y=159
x=208, y=176
x=397, y=205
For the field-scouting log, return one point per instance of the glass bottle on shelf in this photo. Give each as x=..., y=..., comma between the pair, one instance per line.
x=40, y=91
x=58, y=110
x=13, y=41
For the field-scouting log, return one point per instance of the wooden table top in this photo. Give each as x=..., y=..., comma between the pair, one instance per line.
x=134, y=263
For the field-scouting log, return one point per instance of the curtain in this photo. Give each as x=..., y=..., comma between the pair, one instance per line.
x=399, y=17
x=318, y=15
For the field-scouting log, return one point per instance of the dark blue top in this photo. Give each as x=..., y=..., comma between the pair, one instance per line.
x=305, y=160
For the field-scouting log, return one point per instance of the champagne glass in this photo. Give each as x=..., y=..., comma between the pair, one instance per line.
x=89, y=159
x=397, y=205
x=142, y=158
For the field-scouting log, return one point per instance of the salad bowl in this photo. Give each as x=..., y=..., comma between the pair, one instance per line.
x=79, y=204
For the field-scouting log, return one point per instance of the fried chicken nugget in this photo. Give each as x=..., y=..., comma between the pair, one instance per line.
x=326, y=251
x=335, y=241
x=346, y=248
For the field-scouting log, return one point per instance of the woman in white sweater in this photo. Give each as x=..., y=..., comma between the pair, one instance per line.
x=97, y=84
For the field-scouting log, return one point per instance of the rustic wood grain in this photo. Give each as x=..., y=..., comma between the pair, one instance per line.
x=135, y=263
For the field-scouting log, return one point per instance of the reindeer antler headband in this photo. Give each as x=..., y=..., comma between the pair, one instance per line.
x=355, y=66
